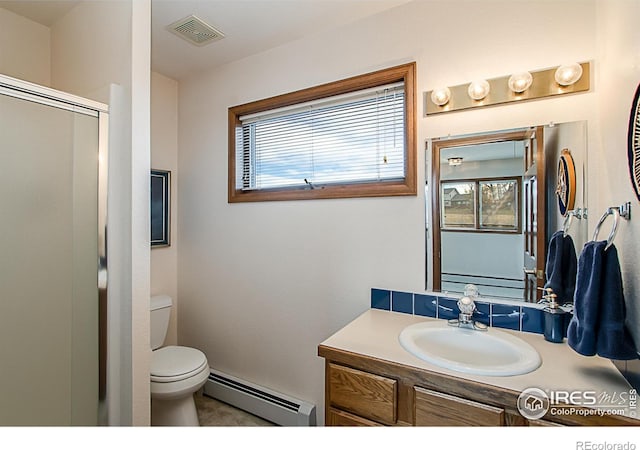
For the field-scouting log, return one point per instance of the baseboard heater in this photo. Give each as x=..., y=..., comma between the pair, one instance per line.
x=273, y=406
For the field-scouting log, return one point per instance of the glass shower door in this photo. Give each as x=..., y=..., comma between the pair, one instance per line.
x=48, y=264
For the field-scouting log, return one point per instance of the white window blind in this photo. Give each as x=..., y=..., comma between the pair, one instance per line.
x=351, y=138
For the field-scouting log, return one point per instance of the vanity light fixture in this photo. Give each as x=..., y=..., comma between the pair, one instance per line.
x=441, y=96
x=479, y=89
x=520, y=82
x=568, y=74
x=455, y=160
x=517, y=87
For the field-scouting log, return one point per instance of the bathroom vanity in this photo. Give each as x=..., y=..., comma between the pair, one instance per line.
x=370, y=380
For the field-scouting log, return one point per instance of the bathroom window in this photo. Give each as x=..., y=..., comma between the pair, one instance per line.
x=351, y=138
x=481, y=205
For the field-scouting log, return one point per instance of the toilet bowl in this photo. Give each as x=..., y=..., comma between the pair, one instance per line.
x=176, y=373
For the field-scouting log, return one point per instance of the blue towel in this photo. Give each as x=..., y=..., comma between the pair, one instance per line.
x=561, y=267
x=598, y=325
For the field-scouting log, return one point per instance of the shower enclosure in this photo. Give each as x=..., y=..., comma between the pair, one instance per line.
x=52, y=256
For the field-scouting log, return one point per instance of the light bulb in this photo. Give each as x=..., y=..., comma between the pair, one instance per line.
x=520, y=82
x=478, y=89
x=441, y=96
x=568, y=74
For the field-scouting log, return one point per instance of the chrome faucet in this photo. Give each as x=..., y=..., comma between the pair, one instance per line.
x=465, y=319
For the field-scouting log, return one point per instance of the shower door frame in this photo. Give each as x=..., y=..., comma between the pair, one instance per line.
x=46, y=96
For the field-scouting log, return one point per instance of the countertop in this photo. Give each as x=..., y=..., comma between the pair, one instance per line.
x=375, y=334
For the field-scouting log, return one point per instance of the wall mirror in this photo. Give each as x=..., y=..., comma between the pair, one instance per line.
x=496, y=199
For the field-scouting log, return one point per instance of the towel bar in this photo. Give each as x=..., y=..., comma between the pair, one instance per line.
x=617, y=212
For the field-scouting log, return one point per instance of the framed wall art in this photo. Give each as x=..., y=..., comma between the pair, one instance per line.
x=566, y=188
x=160, y=208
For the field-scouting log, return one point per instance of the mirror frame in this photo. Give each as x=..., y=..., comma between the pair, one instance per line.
x=438, y=144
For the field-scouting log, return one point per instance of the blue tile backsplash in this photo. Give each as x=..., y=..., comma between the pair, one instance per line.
x=447, y=308
x=425, y=305
x=532, y=320
x=381, y=299
x=506, y=316
x=482, y=313
x=402, y=302
x=513, y=317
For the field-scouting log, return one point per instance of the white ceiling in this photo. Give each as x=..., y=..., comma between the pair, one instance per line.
x=45, y=12
x=250, y=26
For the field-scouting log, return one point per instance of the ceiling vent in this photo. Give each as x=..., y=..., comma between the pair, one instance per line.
x=195, y=31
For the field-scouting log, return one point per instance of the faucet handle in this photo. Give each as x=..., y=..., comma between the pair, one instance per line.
x=471, y=290
x=466, y=305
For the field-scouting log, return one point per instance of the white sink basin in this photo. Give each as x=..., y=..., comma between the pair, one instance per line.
x=490, y=352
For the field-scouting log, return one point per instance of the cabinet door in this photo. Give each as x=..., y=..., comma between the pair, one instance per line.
x=437, y=409
x=365, y=394
x=337, y=418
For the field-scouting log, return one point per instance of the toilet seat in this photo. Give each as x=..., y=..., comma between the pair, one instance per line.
x=175, y=363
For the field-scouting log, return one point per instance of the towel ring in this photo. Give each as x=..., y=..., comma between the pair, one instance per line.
x=612, y=235
x=568, y=219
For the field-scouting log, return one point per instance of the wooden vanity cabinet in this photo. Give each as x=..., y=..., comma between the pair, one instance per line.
x=365, y=391
x=434, y=408
x=369, y=396
x=357, y=394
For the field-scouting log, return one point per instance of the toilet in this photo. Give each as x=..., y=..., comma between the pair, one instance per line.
x=176, y=372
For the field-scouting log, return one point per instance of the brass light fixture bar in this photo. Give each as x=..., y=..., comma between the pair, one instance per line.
x=544, y=84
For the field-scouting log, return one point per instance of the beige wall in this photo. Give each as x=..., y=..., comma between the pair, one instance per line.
x=87, y=52
x=101, y=50
x=261, y=284
x=140, y=222
x=571, y=136
x=164, y=156
x=24, y=48
x=618, y=77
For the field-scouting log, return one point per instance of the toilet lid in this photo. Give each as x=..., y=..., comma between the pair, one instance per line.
x=175, y=363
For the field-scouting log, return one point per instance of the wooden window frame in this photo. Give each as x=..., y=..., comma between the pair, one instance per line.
x=406, y=186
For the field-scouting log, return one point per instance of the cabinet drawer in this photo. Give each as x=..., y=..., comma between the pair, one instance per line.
x=365, y=394
x=437, y=409
x=543, y=423
x=337, y=418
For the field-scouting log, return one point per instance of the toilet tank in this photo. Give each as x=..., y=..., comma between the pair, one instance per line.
x=160, y=313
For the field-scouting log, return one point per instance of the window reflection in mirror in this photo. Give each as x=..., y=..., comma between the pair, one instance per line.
x=499, y=205
x=458, y=205
x=494, y=208
x=480, y=204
